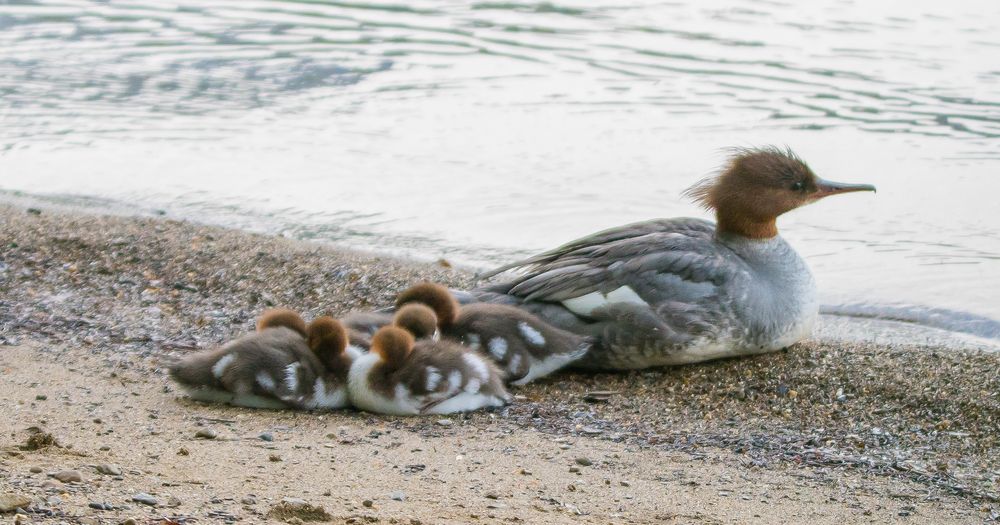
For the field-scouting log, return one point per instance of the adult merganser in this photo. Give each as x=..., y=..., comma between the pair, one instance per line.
x=522, y=345
x=683, y=290
x=403, y=377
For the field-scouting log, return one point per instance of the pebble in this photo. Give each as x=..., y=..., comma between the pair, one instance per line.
x=100, y=506
x=249, y=500
x=104, y=448
x=398, y=496
x=35, y=470
x=574, y=469
x=492, y=495
x=52, y=484
x=173, y=501
x=266, y=436
x=294, y=502
x=130, y=521
x=444, y=422
x=109, y=469
x=9, y=502
x=274, y=458
x=591, y=430
x=583, y=462
x=68, y=476
x=368, y=503
x=145, y=499
x=41, y=397
x=206, y=433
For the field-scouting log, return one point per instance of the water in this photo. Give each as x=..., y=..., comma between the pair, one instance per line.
x=485, y=131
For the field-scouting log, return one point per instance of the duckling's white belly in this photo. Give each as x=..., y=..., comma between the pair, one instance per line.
x=362, y=396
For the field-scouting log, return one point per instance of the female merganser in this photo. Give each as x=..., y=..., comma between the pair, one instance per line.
x=403, y=377
x=674, y=291
x=522, y=345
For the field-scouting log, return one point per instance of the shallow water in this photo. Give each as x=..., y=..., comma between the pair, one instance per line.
x=484, y=131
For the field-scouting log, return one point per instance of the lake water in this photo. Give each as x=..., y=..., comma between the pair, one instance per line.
x=485, y=131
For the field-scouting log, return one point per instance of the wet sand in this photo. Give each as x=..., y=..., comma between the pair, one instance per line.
x=91, y=307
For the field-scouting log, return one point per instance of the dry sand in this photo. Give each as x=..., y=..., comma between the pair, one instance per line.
x=91, y=306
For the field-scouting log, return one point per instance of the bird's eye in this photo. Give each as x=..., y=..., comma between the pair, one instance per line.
x=798, y=186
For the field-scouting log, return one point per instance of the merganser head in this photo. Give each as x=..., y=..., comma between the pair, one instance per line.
x=418, y=319
x=282, y=317
x=327, y=338
x=392, y=345
x=434, y=295
x=758, y=185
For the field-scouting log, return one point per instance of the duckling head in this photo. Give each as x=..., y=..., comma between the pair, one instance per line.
x=327, y=338
x=392, y=344
x=435, y=296
x=282, y=317
x=418, y=319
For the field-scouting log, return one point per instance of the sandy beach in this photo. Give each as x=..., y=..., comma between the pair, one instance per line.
x=92, y=306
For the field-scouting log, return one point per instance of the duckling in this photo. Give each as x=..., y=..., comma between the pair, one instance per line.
x=251, y=371
x=325, y=387
x=401, y=376
x=523, y=346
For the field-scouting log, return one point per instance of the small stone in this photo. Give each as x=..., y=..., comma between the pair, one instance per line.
x=574, y=469
x=624, y=483
x=104, y=448
x=35, y=470
x=294, y=502
x=34, y=211
x=183, y=452
x=525, y=472
x=444, y=422
x=109, y=469
x=492, y=495
x=398, y=496
x=11, y=502
x=415, y=521
x=266, y=436
x=68, y=476
x=130, y=521
x=368, y=503
x=591, y=430
x=100, y=506
x=173, y=501
x=583, y=462
x=792, y=394
x=52, y=484
x=274, y=458
x=206, y=433
x=145, y=499
x=41, y=397
x=249, y=500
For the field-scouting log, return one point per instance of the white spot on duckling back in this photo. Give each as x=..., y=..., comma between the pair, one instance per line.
x=434, y=378
x=454, y=381
x=586, y=304
x=532, y=336
x=265, y=381
x=292, y=376
x=473, y=341
x=515, y=361
x=222, y=364
x=497, y=347
x=477, y=365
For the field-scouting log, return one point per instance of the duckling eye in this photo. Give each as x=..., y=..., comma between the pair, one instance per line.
x=798, y=186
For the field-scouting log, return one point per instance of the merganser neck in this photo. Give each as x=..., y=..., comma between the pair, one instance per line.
x=744, y=226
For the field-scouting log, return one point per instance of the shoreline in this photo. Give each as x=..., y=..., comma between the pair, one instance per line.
x=863, y=422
